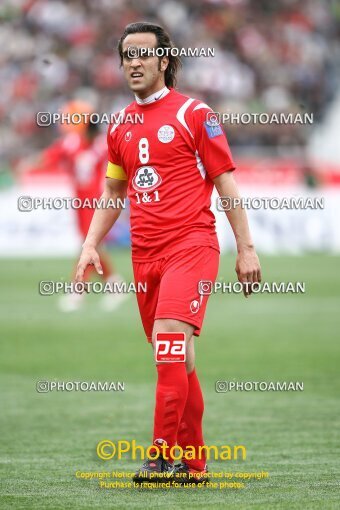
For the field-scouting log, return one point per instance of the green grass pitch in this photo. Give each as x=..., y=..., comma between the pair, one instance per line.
x=46, y=438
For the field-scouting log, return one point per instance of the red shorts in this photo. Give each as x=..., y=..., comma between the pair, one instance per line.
x=172, y=286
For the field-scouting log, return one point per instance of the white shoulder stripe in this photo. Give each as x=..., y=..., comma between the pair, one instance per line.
x=181, y=113
x=201, y=105
x=200, y=165
x=120, y=116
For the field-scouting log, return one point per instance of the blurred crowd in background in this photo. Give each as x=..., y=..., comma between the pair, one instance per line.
x=270, y=56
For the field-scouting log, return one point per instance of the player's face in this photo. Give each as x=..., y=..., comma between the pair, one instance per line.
x=144, y=74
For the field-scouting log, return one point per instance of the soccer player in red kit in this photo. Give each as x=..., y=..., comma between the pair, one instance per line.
x=168, y=166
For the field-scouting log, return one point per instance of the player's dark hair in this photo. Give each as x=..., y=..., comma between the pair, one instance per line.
x=163, y=41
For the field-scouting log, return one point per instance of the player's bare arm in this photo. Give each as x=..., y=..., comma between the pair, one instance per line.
x=102, y=221
x=248, y=267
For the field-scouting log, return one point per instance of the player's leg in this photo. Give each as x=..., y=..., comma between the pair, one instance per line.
x=180, y=308
x=181, y=280
x=190, y=354
x=190, y=432
x=171, y=395
x=173, y=385
x=171, y=388
x=149, y=273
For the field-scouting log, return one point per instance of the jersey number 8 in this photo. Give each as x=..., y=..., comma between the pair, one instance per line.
x=143, y=150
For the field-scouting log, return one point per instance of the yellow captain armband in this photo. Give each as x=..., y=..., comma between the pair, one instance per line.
x=115, y=172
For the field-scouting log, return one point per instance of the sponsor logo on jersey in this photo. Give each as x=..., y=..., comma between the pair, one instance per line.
x=166, y=134
x=194, y=306
x=146, y=179
x=128, y=136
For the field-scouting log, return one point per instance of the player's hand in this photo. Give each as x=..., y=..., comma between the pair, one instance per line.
x=248, y=269
x=89, y=256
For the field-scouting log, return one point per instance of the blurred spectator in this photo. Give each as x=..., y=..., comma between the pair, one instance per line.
x=269, y=57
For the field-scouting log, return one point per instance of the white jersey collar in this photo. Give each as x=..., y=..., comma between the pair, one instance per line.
x=154, y=97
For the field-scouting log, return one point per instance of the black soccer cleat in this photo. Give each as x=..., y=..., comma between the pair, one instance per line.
x=154, y=470
x=184, y=474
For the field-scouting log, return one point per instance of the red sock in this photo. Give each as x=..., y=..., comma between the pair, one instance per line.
x=190, y=429
x=171, y=395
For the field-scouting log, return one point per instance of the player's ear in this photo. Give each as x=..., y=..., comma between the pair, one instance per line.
x=163, y=64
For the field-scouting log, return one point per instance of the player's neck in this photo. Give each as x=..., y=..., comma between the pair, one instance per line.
x=153, y=97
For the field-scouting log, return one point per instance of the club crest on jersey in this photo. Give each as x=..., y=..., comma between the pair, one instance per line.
x=166, y=134
x=146, y=179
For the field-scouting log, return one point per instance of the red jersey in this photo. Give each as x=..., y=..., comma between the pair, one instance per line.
x=169, y=161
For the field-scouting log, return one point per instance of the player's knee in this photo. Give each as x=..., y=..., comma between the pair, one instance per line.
x=175, y=326
x=167, y=325
x=171, y=326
